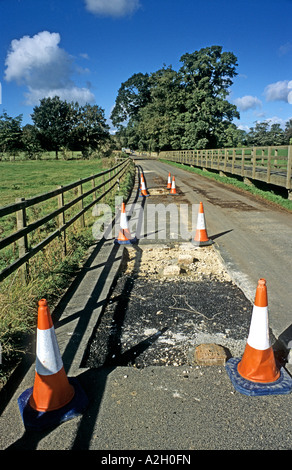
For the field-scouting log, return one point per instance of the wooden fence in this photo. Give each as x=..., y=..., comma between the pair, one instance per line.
x=271, y=165
x=25, y=252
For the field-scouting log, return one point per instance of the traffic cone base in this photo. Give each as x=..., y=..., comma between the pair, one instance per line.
x=53, y=397
x=282, y=386
x=201, y=239
x=125, y=238
x=40, y=420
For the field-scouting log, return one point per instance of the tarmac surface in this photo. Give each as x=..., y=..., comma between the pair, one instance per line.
x=164, y=321
x=129, y=347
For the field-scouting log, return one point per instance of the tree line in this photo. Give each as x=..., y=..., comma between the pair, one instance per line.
x=57, y=125
x=165, y=110
x=188, y=109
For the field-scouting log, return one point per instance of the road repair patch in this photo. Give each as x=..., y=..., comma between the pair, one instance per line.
x=169, y=299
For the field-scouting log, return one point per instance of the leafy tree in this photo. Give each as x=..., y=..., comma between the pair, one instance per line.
x=10, y=133
x=264, y=134
x=53, y=119
x=31, y=141
x=90, y=129
x=133, y=95
x=207, y=75
x=159, y=119
x=258, y=135
x=185, y=109
x=233, y=137
x=288, y=132
x=276, y=135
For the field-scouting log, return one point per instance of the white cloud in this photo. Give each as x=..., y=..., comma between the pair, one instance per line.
x=285, y=48
x=114, y=8
x=278, y=91
x=81, y=95
x=290, y=92
x=276, y=120
x=44, y=68
x=243, y=127
x=247, y=102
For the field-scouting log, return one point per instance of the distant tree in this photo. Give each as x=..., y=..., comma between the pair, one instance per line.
x=233, y=137
x=31, y=141
x=53, y=119
x=10, y=133
x=288, y=132
x=276, y=135
x=258, y=135
x=264, y=134
x=90, y=129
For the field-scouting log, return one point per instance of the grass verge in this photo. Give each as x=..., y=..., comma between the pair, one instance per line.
x=50, y=276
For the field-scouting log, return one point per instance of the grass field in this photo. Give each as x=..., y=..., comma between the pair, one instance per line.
x=29, y=178
x=50, y=273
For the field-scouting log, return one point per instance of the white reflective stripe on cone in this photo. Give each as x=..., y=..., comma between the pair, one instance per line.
x=48, y=358
x=124, y=221
x=201, y=221
x=258, y=337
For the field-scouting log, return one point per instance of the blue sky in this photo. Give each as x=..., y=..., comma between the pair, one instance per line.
x=83, y=50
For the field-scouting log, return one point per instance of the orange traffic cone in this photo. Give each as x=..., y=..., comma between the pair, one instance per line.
x=257, y=373
x=169, y=181
x=143, y=191
x=124, y=237
x=201, y=237
x=51, y=386
x=258, y=361
x=173, y=187
x=53, y=398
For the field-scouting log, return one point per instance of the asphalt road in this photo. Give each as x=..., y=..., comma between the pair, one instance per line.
x=252, y=236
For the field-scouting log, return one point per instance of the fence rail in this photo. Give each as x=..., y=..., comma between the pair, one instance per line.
x=272, y=165
x=23, y=229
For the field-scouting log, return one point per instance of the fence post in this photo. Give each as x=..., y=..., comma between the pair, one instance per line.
x=104, y=187
x=269, y=165
x=254, y=162
x=112, y=174
x=225, y=159
x=93, y=186
x=80, y=192
x=289, y=168
x=62, y=221
x=233, y=160
x=242, y=161
x=22, y=242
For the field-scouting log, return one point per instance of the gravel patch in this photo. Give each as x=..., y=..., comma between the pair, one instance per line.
x=156, y=316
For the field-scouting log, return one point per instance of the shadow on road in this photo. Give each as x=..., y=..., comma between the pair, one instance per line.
x=93, y=381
